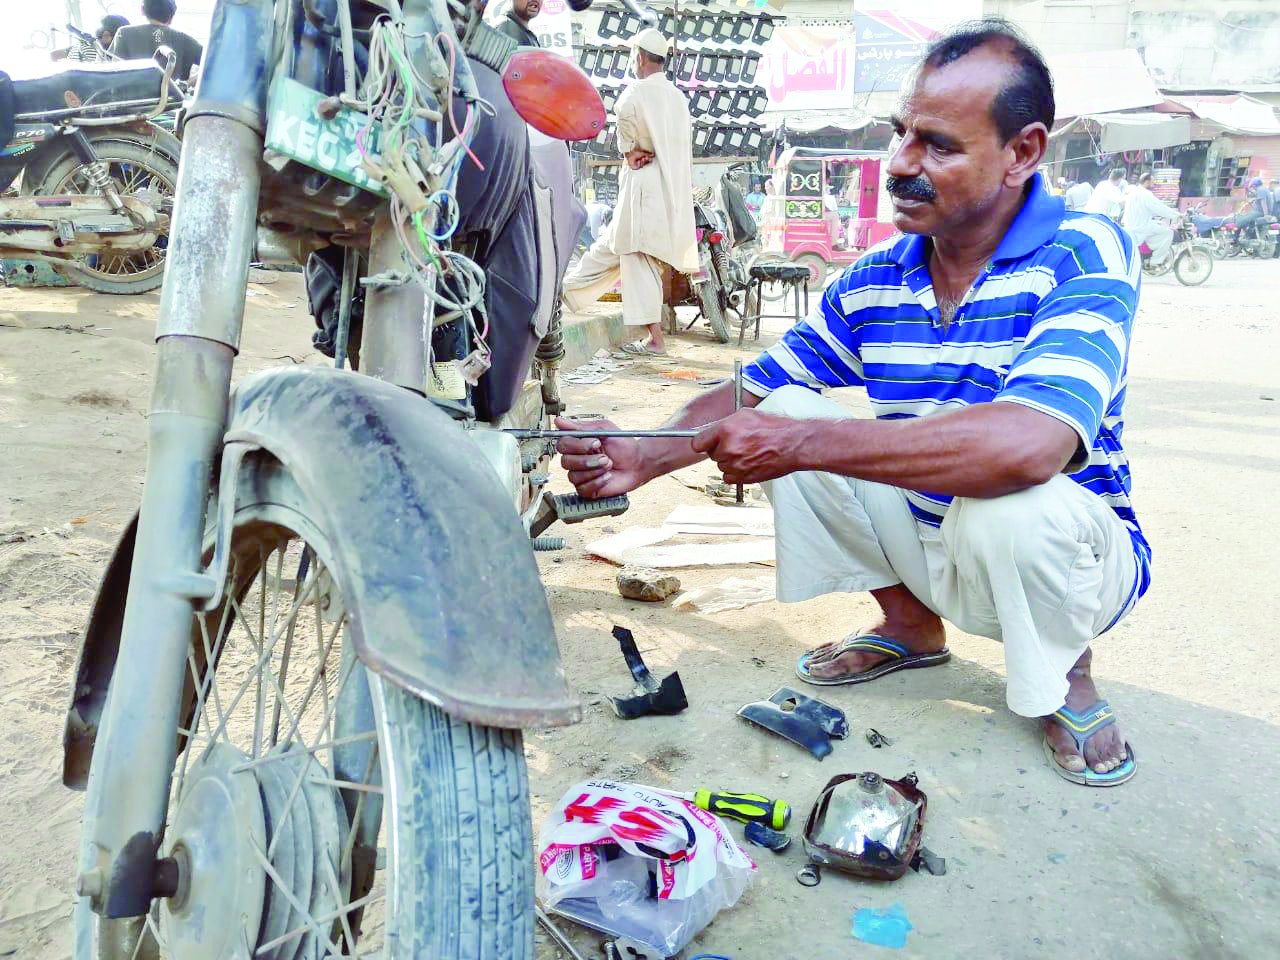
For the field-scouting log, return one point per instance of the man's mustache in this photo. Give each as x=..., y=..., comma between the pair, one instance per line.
x=911, y=188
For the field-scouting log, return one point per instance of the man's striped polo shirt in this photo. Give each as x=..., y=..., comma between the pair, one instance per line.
x=1046, y=325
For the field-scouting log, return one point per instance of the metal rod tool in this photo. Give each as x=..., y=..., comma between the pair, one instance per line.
x=540, y=434
x=556, y=934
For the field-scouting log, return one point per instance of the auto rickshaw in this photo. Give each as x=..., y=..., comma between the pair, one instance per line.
x=823, y=209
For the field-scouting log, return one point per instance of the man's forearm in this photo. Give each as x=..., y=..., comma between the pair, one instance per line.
x=664, y=456
x=986, y=450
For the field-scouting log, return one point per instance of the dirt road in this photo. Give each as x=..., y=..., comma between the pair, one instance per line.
x=1182, y=862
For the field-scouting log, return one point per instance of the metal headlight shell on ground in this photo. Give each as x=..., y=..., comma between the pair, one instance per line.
x=866, y=825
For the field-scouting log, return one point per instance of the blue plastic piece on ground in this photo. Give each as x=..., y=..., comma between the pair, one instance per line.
x=886, y=927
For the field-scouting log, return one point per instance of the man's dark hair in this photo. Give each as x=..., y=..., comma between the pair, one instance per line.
x=1028, y=95
x=653, y=58
x=161, y=10
x=1117, y=173
x=111, y=23
x=1144, y=178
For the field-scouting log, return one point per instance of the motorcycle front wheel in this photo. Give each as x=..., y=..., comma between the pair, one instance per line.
x=1193, y=266
x=316, y=809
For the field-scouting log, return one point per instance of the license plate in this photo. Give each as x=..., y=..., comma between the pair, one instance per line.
x=296, y=131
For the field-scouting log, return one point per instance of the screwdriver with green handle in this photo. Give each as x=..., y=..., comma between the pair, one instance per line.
x=743, y=807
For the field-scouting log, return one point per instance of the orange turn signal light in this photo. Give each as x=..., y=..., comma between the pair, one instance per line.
x=553, y=95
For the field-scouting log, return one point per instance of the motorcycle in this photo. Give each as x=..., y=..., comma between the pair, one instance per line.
x=1214, y=231
x=298, y=704
x=720, y=286
x=97, y=174
x=1253, y=234
x=1189, y=258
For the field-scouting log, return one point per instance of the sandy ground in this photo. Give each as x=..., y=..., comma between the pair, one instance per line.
x=1182, y=862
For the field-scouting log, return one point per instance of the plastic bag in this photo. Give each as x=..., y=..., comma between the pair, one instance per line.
x=637, y=862
x=731, y=594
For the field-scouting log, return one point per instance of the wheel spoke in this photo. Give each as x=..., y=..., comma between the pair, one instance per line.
x=264, y=859
x=347, y=784
x=342, y=914
x=259, y=702
x=366, y=901
x=349, y=847
x=330, y=745
x=302, y=771
x=324, y=678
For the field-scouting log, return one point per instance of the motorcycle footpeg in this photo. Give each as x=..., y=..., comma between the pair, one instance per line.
x=574, y=508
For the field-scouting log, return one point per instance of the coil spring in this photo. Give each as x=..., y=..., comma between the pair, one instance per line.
x=551, y=346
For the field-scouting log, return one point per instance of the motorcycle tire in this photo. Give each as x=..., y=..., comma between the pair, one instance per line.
x=458, y=876
x=708, y=296
x=1193, y=266
x=817, y=270
x=131, y=159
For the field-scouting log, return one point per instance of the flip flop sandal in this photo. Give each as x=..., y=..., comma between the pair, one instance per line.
x=640, y=349
x=1082, y=726
x=900, y=658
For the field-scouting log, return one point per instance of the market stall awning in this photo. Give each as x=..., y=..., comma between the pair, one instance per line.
x=1237, y=113
x=1101, y=82
x=813, y=122
x=1142, y=131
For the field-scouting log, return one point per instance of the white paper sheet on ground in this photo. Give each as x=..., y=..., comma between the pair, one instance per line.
x=615, y=546
x=731, y=594
x=704, y=519
x=732, y=553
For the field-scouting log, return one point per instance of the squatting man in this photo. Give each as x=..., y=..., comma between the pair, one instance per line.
x=991, y=488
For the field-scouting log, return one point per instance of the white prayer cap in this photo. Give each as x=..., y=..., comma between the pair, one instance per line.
x=651, y=41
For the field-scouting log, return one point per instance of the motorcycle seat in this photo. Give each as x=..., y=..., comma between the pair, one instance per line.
x=90, y=86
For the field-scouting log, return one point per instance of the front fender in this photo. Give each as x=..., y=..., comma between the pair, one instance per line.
x=436, y=568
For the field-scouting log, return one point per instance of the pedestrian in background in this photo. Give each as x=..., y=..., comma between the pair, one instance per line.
x=516, y=23
x=653, y=219
x=1077, y=195
x=1108, y=196
x=141, y=41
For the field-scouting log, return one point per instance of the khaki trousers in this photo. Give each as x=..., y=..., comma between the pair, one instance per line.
x=598, y=271
x=1044, y=570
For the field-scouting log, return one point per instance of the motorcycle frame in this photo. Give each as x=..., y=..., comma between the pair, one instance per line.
x=194, y=427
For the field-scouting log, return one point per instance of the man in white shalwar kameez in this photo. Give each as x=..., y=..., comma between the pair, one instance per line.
x=653, y=220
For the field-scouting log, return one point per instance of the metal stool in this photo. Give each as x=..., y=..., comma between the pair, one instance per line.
x=792, y=277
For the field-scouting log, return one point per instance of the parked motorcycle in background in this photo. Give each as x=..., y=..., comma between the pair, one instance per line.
x=1189, y=258
x=97, y=173
x=1253, y=234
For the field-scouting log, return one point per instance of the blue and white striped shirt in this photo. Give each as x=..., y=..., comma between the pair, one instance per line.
x=1046, y=325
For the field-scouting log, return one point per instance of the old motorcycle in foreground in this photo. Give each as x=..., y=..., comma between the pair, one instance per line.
x=300, y=734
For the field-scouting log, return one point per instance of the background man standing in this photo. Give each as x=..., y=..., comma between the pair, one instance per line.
x=140, y=42
x=1142, y=216
x=653, y=219
x=1077, y=195
x=1108, y=196
x=516, y=23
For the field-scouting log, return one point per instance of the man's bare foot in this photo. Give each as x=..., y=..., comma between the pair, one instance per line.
x=905, y=619
x=1105, y=750
x=655, y=343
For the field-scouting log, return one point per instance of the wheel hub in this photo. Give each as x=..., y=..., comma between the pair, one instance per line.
x=227, y=904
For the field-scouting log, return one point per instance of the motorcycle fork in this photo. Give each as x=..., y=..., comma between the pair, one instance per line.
x=201, y=312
